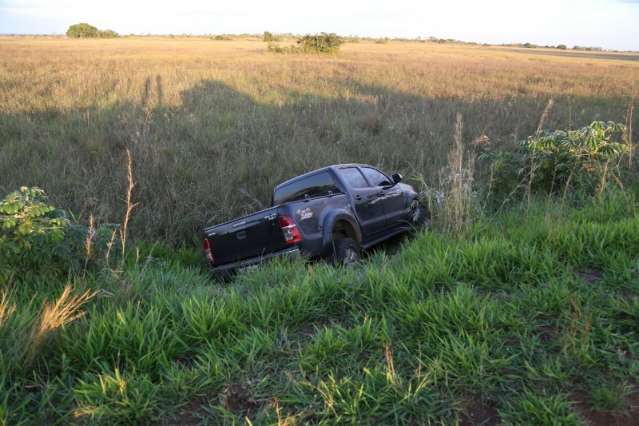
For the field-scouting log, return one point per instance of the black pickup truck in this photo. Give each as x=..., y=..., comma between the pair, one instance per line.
x=332, y=212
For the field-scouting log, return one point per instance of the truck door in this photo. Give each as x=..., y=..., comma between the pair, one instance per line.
x=365, y=201
x=390, y=198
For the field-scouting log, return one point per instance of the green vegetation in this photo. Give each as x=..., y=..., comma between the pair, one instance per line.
x=84, y=30
x=527, y=317
x=321, y=43
x=270, y=37
x=520, y=305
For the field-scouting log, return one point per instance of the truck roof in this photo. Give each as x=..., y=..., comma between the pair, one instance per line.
x=331, y=167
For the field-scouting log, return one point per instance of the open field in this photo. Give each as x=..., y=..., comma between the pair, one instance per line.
x=205, y=117
x=525, y=312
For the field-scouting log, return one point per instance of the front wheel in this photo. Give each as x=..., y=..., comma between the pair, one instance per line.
x=346, y=251
x=419, y=215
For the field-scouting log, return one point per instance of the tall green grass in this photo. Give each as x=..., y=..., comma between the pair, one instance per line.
x=527, y=317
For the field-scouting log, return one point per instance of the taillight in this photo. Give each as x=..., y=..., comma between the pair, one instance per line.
x=208, y=251
x=289, y=229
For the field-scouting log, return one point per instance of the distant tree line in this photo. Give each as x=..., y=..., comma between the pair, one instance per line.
x=84, y=30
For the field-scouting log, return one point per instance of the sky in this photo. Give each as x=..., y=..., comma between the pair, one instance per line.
x=610, y=24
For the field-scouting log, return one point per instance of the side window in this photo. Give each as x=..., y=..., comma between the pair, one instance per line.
x=375, y=178
x=353, y=177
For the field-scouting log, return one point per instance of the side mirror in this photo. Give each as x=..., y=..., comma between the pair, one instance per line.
x=397, y=178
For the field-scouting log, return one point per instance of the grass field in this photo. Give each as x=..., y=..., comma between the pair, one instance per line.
x=204, y=118
x=531, y=318
x=527, y=313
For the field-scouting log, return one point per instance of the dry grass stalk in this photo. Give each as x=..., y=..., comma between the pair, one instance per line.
x=533, y=164
x=459, y=181
x=6, y=308
x=66, y=309
x=391, y=375
x=629, y=114
x=109, y=247
x=88, y=242
x=129, y=202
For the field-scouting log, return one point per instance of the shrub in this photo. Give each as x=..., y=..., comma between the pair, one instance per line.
x=321, y=43
x=583, y=156
x=31, y=232
x=35, y=237
x=562, y=47
x=269, y=37
x=220, y=37
x=582, y=159
x=108, y=34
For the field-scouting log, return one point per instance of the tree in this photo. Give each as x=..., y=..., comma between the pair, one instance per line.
x=108, y=34
x=82, y=30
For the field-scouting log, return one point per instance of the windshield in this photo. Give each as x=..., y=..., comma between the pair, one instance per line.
x=316, y=185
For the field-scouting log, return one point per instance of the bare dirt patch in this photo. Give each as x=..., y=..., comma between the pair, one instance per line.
x=237, y=398
x=479, y=412
x=590, y=276
x=630, y=416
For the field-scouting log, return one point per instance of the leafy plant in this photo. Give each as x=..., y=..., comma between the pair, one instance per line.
x=583, y=155
x=554, y=162
x=32, y=232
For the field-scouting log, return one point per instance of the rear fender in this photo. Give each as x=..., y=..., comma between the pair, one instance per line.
x=329, y=224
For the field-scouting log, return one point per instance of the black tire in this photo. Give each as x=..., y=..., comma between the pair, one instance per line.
x=419, y=215
x=346, y=251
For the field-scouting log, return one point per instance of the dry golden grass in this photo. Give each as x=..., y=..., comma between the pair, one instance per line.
x=66, y=309
x=6, y=308
x=205, y=118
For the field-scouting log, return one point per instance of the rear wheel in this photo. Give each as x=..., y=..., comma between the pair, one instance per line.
x=346, y=251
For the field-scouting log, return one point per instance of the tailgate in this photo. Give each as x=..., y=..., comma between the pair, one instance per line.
x=251, y=236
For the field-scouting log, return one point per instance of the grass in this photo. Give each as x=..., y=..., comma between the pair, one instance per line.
x=212, y=127
x=526, y=316
x=530, y=317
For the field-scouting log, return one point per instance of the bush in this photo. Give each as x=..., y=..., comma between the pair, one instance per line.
x=270, y=37
x=220, y=37
x=108, y=34
x=84, y=30
x=37, y=238
x=321, y=43
x=582, y=159
x=31, y=232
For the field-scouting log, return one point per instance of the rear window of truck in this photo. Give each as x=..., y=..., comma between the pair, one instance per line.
x=317, y=185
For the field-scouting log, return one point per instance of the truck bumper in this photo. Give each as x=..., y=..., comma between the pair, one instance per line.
x=292, y=252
